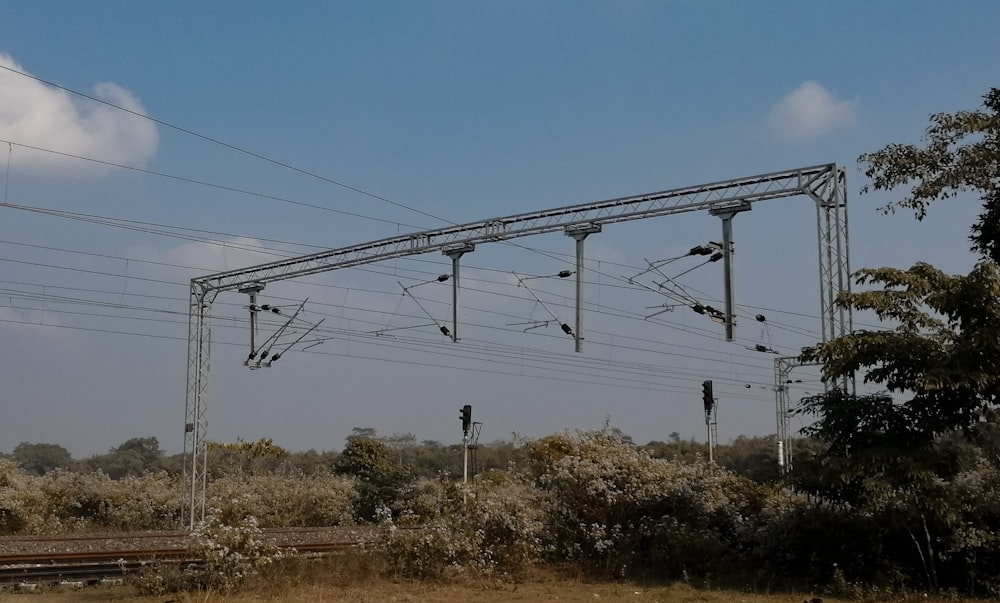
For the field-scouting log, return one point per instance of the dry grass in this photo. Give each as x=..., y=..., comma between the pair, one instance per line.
x=355, y=579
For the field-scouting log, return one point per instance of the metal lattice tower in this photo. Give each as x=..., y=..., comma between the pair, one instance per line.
x=822, y=183
x=834, y=277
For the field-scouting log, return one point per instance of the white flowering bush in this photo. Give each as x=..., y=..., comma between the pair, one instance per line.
x=63, y=501
x=317, y=499
x=231, y=551
x=491, y=528
x=614, y=510
x=23, y=504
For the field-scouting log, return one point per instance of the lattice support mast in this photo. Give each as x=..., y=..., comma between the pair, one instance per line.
x=195, y=417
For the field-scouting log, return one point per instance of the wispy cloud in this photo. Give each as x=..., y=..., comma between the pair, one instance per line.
x=808, y=112
x=32, y=113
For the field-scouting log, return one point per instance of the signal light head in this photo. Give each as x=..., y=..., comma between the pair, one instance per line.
x=706, y=396
x=466, y=416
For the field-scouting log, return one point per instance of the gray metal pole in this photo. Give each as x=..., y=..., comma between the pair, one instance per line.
x=727, y=268
x=579, y=233
x=456, y=253
x=578, y=330
x=727, y=214
x=454, y=296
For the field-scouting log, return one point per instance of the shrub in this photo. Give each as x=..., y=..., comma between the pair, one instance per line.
x=318, y=499
x=614, y=510
x=490, y=529
x=232, y=551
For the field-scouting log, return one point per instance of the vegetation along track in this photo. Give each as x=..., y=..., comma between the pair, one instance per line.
x=90, y=558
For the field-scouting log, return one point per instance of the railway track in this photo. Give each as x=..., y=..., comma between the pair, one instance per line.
x=93, y=558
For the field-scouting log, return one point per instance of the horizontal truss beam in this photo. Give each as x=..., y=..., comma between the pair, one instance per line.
x=737, y=193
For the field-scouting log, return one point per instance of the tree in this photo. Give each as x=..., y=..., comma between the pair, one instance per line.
x=378, y=479
x=893, y=454
x=944, y=352
x=39, y=459
x=962, y=153
x=945, y=347
x=363, y=432
x=148, y=450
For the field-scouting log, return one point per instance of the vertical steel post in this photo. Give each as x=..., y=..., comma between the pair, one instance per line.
x=456, y=253
x=727, y=214
x=252, y=290
x=580, y=233
x=727, y=269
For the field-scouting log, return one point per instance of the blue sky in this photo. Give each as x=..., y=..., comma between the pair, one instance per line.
x=461, y=111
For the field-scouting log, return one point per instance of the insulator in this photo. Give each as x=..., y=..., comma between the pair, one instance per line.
x=566, y=329
x=445, y=331
x=443, y=278
x=716, y=257
x=266, y=307
x=275, y=357
x=700, y=250
x=760, y=318
x=276, y=310
x=263, y=355
x=565, y=273
x=760, y=348
x=252, y=355
x=700, y=309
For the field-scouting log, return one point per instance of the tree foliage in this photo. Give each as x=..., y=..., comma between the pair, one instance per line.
x=379, y=479
x=943, y=353
x=39, y=459
x=897, y=455
x=961, y=153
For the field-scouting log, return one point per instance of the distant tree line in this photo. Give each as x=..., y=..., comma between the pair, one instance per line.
x=752, y=457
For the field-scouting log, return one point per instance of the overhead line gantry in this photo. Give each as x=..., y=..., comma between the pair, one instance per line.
x=824, y=184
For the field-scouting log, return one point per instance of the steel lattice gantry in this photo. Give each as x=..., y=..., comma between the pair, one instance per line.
x=822, y=183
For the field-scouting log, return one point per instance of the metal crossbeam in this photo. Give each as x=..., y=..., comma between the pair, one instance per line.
x=822, y=183
x=716, y=196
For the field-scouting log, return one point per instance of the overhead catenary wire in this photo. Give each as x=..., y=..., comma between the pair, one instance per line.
x=160, y=281
x=204, y=183
x=221, y=143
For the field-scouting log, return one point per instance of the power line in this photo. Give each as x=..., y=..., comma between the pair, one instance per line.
x=224, y=144
x=205, y=184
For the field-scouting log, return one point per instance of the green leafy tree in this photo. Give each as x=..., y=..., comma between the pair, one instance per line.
x=944, y=353
x=890, y=454
x=961, y=154
x=944, y=350
x=39, y=459
x=148, y=449
x=379, y=479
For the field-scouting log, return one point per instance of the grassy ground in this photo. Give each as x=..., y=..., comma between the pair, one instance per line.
x=342, y=581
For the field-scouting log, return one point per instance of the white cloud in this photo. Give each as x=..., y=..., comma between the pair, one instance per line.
x=32, y=113
x=808, y=112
